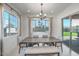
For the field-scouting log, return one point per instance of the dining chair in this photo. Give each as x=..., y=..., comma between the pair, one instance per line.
x=35, y=44
x=45, y=36
x=46, y=44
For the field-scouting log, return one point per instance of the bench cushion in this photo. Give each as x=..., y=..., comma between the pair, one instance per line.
x=41, y=50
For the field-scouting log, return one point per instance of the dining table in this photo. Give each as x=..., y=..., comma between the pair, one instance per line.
x=41, y=40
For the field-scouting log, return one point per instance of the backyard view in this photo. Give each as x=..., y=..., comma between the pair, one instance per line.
x=67, y=33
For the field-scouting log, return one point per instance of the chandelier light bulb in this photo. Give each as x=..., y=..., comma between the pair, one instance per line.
x=40, y=13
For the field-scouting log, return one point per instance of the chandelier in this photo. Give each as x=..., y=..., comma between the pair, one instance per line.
x=42, y=14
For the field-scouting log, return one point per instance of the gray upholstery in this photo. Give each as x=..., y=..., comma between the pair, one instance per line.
x=35, y=36
x=45, y=36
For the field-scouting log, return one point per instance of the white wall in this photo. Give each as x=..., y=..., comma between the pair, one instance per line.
x=9, y=44
x=24, y=27
x=57, y=23
x=56, y=28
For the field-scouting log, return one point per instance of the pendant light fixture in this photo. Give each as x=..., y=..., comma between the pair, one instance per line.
x=42, y=14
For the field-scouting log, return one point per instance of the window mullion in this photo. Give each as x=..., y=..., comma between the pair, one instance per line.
x=9, y=24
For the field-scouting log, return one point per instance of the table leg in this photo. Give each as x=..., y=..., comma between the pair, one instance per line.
x=19, y=48
x=61, y=47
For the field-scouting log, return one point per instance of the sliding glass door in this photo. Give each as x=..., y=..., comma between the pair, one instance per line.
x=66, y=33
x=70, y=33
x=75, y=35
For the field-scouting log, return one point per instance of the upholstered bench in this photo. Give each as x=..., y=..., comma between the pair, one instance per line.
x=30, y=51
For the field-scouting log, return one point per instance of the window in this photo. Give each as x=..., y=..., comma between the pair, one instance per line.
x=6, y=23
x=10, y=23
x=40, y=25
x=13, y=24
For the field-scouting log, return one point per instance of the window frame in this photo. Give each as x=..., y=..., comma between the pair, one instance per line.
x=42, y=23
x=49, y=24
x=17, y=19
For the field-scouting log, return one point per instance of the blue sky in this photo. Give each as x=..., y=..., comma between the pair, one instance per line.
x=66, y=23
x=36, y=20
x=6, y=17
x=13, y=21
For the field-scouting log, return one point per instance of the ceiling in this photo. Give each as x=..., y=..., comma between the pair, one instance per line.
x=33, y=9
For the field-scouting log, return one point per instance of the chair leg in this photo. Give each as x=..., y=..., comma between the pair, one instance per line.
x=61, y=47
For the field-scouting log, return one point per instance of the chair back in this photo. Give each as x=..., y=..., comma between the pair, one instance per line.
x=35, y=36
x=45, y=36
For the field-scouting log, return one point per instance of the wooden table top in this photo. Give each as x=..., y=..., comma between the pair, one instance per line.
x=40, y=40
